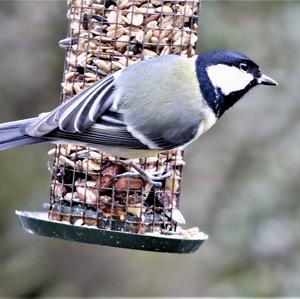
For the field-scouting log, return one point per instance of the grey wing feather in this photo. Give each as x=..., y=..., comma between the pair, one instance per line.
x=100, y=135
x=88, y=118
x=79, y=113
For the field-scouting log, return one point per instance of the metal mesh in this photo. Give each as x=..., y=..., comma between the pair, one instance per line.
x=90, y=187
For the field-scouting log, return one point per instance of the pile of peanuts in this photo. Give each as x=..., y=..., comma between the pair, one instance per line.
x=91, y=187
x=92, y=180
x=106, y=36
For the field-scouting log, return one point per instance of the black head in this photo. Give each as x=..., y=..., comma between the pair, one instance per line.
x=225, y=76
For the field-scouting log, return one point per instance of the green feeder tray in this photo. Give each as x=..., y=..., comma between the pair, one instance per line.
x=38, y=223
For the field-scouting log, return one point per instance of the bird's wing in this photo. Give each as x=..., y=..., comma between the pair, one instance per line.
x=89, y=117
x=79, y=113
x=126, y=109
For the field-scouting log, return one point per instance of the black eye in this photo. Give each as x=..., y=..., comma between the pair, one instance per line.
x=244, y=67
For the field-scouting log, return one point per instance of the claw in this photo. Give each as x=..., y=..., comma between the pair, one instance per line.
x=151, y=178
x=146, y=177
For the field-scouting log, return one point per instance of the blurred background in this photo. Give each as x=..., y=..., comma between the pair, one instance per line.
x=241, y=182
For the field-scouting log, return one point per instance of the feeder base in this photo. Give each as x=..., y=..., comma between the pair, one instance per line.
x=38, y=223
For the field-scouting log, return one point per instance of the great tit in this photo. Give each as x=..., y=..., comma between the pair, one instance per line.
x=153, y=106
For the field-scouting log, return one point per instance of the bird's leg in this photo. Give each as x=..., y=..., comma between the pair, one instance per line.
x=153, y=178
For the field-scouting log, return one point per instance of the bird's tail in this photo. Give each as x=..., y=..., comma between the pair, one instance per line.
x=12, y=134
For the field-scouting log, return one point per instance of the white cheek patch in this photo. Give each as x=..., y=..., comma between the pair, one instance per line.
x=228, y=78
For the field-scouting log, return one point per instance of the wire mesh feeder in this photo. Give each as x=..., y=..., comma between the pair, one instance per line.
x=91, y=189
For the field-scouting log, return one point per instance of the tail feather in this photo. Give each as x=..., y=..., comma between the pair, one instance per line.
x=12, y=134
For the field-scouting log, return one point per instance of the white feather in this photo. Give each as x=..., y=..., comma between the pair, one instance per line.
x=228, y=78
x=81, y=98
x=140, y=137
x=117, y=98
x=95, y=106
x=111, y=120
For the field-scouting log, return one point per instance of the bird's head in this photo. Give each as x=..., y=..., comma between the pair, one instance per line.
x=225, y=76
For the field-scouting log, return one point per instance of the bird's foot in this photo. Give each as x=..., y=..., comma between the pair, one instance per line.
x=154, y=178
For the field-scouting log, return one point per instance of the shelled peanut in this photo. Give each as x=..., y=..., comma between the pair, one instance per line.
x=106, y=36
x=97, y=179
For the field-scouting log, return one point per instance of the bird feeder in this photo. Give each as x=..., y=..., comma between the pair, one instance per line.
x=93, y=199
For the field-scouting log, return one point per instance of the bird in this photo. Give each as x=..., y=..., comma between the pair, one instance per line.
x=156, y=105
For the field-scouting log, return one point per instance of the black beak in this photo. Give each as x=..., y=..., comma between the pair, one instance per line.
x=265, y=80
